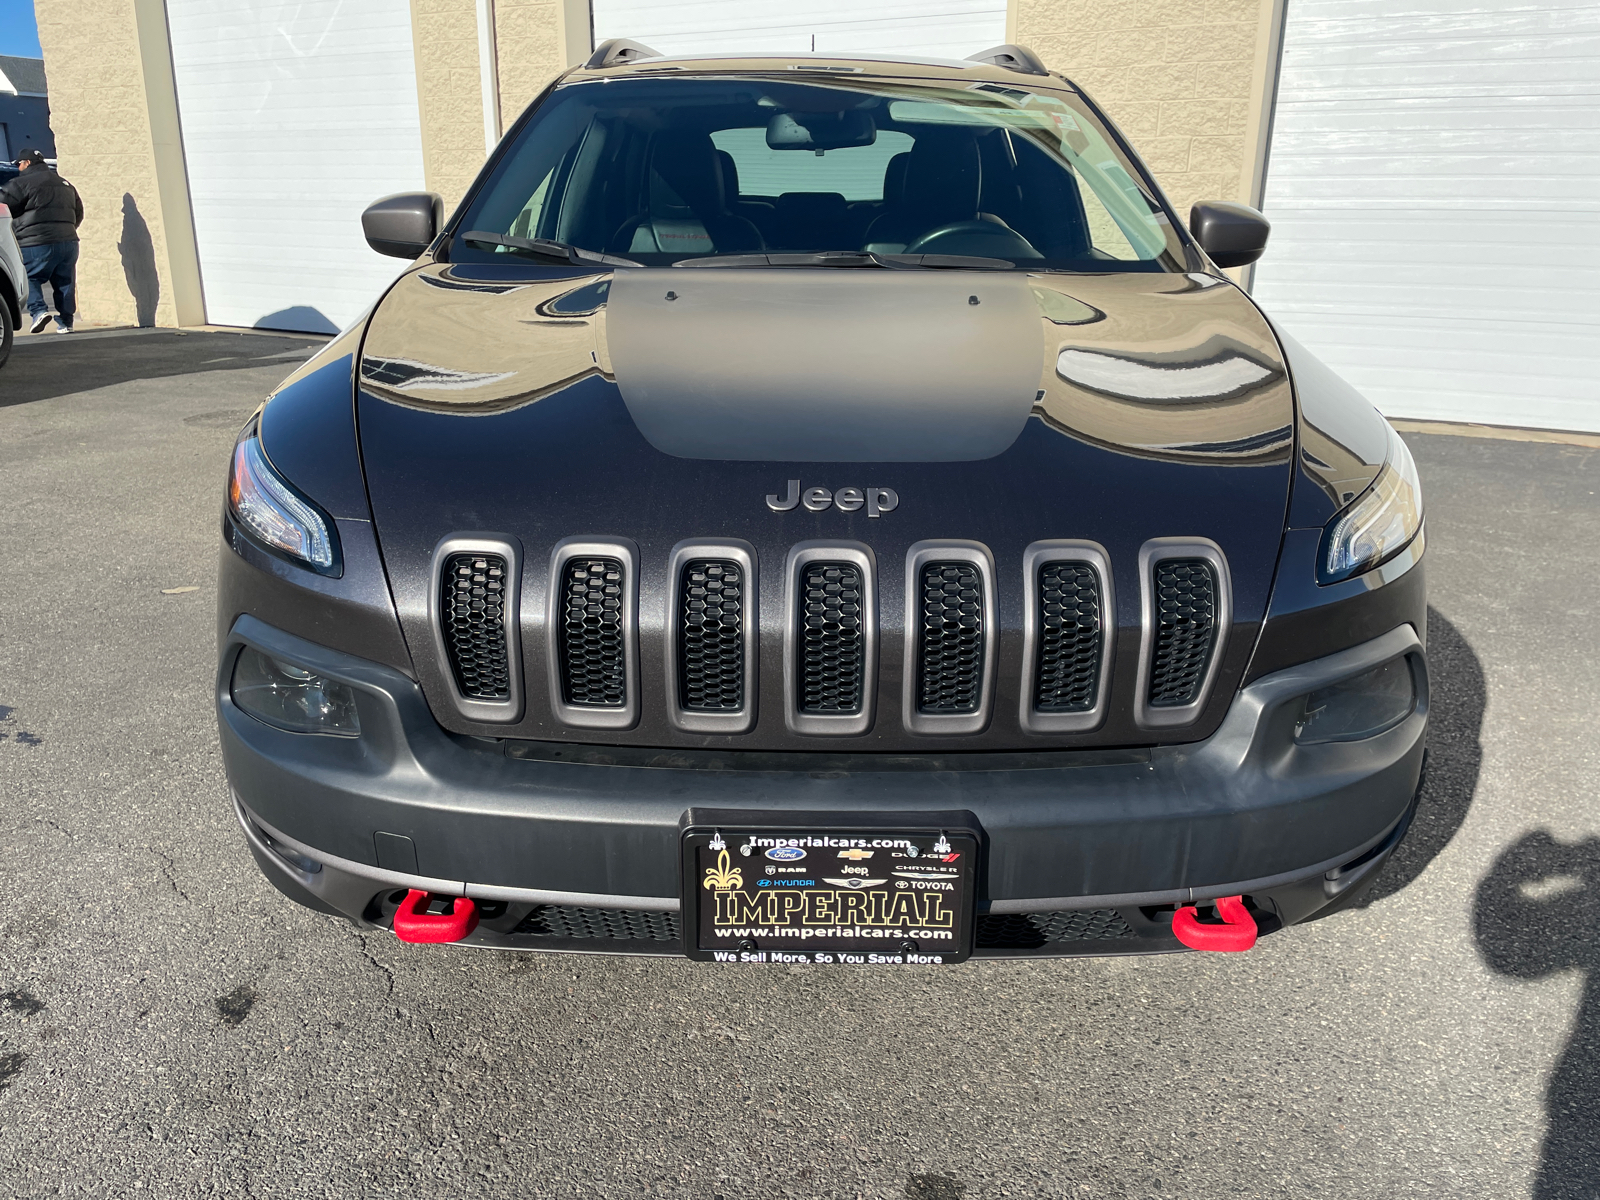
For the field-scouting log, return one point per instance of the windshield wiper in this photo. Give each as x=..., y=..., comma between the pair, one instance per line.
x=548, y=248
x=852, y=258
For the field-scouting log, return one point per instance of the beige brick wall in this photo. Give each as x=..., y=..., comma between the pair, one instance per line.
x=1181, y=78
x=115, y=125
x=529, y=36
x=449, y=94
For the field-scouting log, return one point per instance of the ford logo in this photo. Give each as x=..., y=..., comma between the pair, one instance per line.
x=786, y=853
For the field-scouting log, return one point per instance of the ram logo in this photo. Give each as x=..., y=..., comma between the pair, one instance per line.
x=877, y=500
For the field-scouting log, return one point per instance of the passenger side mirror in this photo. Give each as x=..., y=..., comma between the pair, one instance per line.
x=403, y=225
x=1234, y=235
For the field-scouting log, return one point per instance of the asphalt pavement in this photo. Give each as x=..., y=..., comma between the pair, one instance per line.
x=170, y=1025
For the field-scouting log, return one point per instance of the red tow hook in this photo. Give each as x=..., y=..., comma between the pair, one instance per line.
x=413, y=923
x=1239, y=932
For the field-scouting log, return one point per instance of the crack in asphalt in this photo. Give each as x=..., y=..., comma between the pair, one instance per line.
x=167, y=865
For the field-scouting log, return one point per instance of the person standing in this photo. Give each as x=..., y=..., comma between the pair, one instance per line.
x=46, y=211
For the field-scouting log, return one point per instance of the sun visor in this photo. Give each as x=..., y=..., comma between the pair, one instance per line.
x=833, y=364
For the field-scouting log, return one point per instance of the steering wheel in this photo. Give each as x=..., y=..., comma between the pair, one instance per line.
x=982, y=239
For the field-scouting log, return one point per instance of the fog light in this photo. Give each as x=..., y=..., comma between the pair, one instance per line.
x=293, y=698
x=1357, y=708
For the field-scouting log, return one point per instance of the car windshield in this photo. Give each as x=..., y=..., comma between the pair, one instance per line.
x=663, y=170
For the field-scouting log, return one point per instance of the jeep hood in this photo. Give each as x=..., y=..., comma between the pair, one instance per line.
x=659, y=405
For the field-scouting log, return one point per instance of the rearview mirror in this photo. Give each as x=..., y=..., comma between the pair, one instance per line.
x=1234, y=235
x=403, y=225
x=820, y=131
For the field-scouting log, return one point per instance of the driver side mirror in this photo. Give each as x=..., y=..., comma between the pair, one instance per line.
x=1234, y=235
x=403, y=225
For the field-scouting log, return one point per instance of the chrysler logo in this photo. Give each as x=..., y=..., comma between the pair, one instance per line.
x=877, y=500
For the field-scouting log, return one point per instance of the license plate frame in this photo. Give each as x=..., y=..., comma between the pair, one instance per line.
x=795, y=870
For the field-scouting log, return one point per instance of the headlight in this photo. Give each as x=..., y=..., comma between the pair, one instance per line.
x=1363, y=707
x=289, y=697
x=1379, y=524
x=262, y=502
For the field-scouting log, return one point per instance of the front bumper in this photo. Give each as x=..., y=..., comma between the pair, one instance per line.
x=564, y=841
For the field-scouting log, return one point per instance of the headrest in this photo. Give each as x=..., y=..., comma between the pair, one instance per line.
x=730, y=176
x=894, y=178
x=690, y=165
x=943, y=177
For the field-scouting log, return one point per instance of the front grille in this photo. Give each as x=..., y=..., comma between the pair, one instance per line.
x=617, y=924
x=950, y=638
x=472, y=612
x=1028, y=931
x=592, y=642
x=1070, y=638
x=711, y=636
x=832, y=638
x=1186, y=619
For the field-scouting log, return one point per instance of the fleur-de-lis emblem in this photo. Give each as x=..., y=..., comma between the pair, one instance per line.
x=723, y=877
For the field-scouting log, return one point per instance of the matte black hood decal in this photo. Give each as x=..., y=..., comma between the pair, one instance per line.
x=825, y=366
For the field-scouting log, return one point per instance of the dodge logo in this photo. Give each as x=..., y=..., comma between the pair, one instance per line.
x=878, y=500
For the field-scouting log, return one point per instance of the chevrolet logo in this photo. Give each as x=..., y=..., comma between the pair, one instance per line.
x=855, y=855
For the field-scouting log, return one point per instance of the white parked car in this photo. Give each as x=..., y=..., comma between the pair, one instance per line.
x=13, y=284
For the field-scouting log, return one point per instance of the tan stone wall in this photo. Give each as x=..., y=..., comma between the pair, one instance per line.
x=528, y=35
x=449, y=94
x=1181, y=78
x=121, y=158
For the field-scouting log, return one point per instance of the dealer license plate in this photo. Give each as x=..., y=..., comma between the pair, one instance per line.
x=837, y=895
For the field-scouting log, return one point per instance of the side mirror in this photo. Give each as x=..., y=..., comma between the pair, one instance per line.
x=1234, y=235
x=403, y=225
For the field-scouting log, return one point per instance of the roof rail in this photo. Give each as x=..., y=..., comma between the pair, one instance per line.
x=618, y=52
x=1012, y=58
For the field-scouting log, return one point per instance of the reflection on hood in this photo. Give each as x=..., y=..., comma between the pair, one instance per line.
x=1226, y=374
x=404, y=374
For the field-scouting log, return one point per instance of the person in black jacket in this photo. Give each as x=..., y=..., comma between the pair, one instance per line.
x=46, y=211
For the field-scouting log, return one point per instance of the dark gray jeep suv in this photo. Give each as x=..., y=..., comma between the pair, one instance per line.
x=820, y=510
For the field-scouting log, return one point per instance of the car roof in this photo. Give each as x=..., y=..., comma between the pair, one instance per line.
x=899, y=66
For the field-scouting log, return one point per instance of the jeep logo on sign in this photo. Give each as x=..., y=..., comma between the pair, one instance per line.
x=878, y=500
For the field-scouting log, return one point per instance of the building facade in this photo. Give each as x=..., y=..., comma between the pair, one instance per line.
x=1430, y=176
x=24, y=108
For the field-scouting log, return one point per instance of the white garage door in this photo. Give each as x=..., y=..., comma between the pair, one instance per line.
x=295, y=118
x=1434, y=189
x=926, y=28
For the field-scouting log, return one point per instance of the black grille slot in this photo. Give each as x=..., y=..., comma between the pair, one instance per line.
x=832, y=638
x=617, y=924
x=593, y=638
x=1071, y=638
x=1029, y=931
x=950, y=638
x=1186, y=627
x=711, y=594
x=472, y=611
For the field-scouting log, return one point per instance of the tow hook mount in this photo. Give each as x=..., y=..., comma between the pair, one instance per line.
x=1238, y=932
x=414, y=923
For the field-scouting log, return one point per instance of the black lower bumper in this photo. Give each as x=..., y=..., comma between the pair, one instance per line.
x=575, y=848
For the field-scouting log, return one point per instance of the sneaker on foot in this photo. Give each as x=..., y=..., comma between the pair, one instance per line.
x=39, y=322
x=60, y=328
